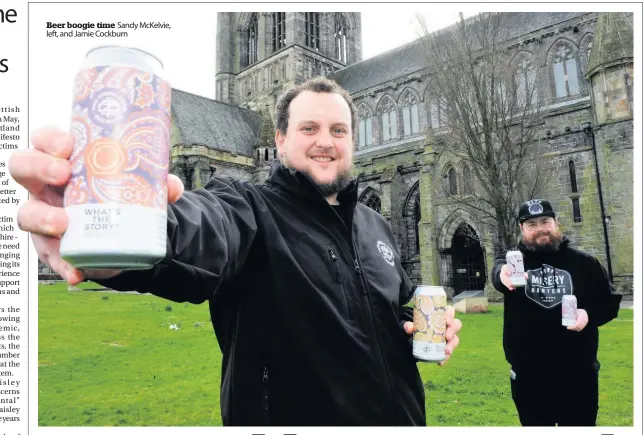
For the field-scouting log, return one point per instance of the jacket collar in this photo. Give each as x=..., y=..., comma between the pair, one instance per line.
x=299, y=184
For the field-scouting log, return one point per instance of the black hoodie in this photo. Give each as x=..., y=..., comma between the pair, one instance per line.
x=533, y=336
x=307, y=304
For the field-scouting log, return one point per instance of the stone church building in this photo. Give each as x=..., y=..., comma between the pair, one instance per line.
x=584, y=65
x=584, y=62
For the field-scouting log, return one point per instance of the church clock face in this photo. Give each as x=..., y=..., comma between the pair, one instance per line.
x=535, y=209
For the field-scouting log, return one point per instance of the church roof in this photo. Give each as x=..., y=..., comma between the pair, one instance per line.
x=215, y=124
x=613, y=41
x=410, y=58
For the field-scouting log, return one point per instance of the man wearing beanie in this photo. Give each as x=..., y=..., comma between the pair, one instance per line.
x=554, y=369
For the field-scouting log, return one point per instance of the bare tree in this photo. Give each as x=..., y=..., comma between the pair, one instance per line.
x=485, y=114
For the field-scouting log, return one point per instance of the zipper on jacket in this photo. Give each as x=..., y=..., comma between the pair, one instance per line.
x=353, y=253
x=338, y=278
x=265, y=402
x=365, y=285
x=358, y=270
x=337, y=267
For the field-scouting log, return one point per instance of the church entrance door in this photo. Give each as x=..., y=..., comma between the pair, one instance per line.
x=468, y=260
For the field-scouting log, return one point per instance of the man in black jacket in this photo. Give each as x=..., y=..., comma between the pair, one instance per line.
x=554, y=374
x=305, y=285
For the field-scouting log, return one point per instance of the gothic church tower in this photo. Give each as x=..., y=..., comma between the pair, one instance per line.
x=260, y=54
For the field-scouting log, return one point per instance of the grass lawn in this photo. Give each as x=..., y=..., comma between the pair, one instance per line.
x=108, y=359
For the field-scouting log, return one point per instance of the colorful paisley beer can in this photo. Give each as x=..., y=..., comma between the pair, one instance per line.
x=568, y=310
x=430, y=323
x=116, y=199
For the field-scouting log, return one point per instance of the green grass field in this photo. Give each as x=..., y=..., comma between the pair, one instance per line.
x=108, y=359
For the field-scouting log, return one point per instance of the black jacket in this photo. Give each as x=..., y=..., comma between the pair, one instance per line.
x=307, y=310
x=533, y=336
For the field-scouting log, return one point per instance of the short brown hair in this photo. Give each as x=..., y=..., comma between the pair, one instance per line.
x=319, y=85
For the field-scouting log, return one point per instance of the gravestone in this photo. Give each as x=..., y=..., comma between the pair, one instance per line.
x=471, y=301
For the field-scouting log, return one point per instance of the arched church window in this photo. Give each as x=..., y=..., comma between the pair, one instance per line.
x=365, y=130
x=410, y=114
x=436, y=114
x=451, y=180
x=467, y=180
x=278, y=25
x=576, y=210
x=565, y=70
x=251, y=40
x=312, y=30
x=573, y=176
x=389, y=120
x=373, y=202
x=341, y=30
x=525, y=77
x=371, y=199
x=266, y=155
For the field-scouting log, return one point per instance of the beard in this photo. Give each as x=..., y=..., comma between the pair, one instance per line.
x=552, y=245
x=341, y=181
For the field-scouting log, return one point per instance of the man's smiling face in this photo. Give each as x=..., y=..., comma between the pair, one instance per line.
x=318, y=140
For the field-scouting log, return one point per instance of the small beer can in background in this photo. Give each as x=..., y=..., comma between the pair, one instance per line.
x=568, y=310
x=430, y=323
x=116, y=199
x=514, y=260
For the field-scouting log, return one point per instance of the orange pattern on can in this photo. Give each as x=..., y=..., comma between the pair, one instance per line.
x=121, y=131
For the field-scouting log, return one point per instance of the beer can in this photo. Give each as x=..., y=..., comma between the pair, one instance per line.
x=430, y=323
x=568, y=310
x=116, y=199
x=514, y=260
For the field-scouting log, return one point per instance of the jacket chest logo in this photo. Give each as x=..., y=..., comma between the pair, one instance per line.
x=547, y=285
x=386, y=252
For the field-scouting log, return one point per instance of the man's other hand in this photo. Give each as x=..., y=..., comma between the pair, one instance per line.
x=453, y=326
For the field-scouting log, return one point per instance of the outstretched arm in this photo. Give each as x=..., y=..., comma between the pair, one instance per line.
x=210, y=234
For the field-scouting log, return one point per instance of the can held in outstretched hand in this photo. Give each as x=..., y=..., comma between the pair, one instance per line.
x=568, y=310
x=514, y=260
x=116, y=199
x=430, y=323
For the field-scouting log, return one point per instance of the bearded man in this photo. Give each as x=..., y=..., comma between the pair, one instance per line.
x=554, y=369
x=305, y=285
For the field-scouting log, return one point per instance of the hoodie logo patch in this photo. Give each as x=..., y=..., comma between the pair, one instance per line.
x=387, y=252
x=547, y=285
